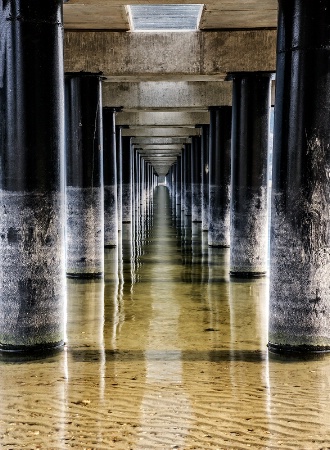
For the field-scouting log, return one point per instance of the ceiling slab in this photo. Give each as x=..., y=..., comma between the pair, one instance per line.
x=96, y=17
x=217, y=14
x=216, y=19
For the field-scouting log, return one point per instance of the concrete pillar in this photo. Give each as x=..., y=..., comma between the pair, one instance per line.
x=144, y=181
x=174, y=187
x=205, y=176
x=196, y=179
x=183, y=186
x=119, y=162
x=84, y=190
x=249, y=211
x=137, y=157
x=187, y=179
x=126, y=179
x=32, y=250
x=219, y=176
x=178, y=180
x=110, y=178
x=133, y=174
x=299, y=317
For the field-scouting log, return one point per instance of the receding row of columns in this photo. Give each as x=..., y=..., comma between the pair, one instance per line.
x=234, y=202
x=60, y=157
x=38, y=179
x=225, y=175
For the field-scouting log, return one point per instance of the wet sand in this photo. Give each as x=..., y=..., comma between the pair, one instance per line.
x=167, y=352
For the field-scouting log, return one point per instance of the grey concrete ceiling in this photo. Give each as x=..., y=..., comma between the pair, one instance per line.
x=166, y=81
x=217, y=14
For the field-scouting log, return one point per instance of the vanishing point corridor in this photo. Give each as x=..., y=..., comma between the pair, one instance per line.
x=167, y=352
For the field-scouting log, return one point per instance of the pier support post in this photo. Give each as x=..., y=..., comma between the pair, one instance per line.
x=196, y=179
x=249, y=211
x=187, y=179
x=219, y=176
x=110, y=177
x=127, y=187
x=205, y=176
x=299, y=317
x=84, y=190
x=178, y=180
x=32, y=247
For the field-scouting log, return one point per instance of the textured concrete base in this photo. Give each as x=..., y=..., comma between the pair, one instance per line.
x=110, y=216
x=32, y=267
x=249, y=233
x=219, y=216
x=85, y=230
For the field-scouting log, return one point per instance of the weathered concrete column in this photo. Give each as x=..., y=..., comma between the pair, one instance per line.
x=174, y=187
x=196, y=179
x=126, y=179
x=205, y=176
x=84, y=190
x=219, y=176
x=32, y=248
x=183, y=186
x=110, y=177
x=249, y=211
x=299, y=317
x=119, y=163
x=187, y=179
x=178, y=180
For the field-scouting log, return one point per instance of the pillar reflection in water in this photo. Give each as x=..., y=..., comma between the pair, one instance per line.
x=85, y=333
x=248, y=301
x=299, y=410
x=127, y=256
x=114, y=314
x=31, y=402
x=85, y=311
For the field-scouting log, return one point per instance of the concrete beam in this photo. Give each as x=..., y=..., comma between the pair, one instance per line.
x=162, y=119
x=170, y=132
x=190, y=56
x=161, y=148
x=143, y=141
x=167, y=96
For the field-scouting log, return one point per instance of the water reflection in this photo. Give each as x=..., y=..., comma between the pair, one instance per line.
x=167, y=352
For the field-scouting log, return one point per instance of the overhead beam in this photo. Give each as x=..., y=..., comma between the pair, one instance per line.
x=174, y=131
x=143, y=141
x=162, y=119
x=191, y=56
x=161, y=148
x=163, y=96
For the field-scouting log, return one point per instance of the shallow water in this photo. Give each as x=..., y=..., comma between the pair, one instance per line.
x=167, y=353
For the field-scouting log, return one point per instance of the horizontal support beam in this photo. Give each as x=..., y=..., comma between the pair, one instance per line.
x=169, y=96
x=163, y=96
x=169, y=132
x=143, y=141
x=169, y=56
x=161, y=119
x=161, y=148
